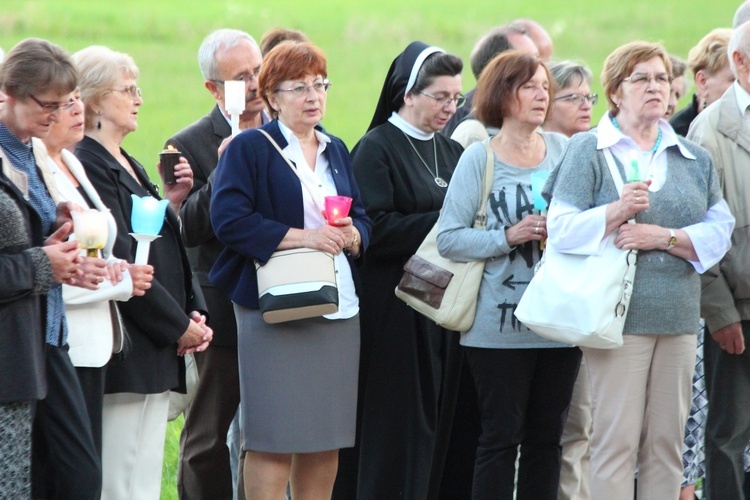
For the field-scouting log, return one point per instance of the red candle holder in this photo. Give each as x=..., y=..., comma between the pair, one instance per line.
x=337, y=207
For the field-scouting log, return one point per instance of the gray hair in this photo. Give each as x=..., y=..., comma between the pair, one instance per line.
x=742, y=14
x=740, y=42
x=99, y=70
x=568, y=73
x=219, y=39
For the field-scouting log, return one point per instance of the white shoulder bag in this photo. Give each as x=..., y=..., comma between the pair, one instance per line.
x=581, y=300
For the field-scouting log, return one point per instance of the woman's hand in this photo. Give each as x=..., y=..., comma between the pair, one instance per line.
x=530, y=228
x=64, y=256
x=177, y=192
x=634, y=199
x=641, y=237
x=115, y=270
x=93, y=272
x=351, y=234
x=328, y=238
x=197, y=336
x=142, y=276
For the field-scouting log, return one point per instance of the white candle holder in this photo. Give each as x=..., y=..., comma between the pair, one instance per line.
x=146, y=220
x=234, y=102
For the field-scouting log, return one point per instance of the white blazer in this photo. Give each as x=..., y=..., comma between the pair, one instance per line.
x=90, y=319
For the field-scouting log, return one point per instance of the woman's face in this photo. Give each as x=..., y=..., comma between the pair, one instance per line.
x=532, y=99
x=119, y=106
x=571, y=110
x=644, y=94
x=425, y=110
x=711, y=86
x=300, y=103
x=676, y=91
x=69, y=128
x=33, y=116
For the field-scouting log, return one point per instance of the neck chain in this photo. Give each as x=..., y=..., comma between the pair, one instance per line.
x=438, y=180
x=658, y=136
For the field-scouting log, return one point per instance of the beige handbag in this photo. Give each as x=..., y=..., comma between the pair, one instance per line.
x=298, y=283
x=442, y=289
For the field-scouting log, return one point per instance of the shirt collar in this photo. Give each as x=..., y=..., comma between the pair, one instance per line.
x=743, y=98
x=292, y=139
x=608, y=136
x=408, y=128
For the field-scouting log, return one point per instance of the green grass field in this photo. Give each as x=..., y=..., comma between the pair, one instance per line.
x=360, y=39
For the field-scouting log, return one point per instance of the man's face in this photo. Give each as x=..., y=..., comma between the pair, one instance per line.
x=241, y=62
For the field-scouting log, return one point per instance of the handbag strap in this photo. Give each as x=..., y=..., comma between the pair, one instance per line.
x=310, y=190
x=480, y=219
x=616, y=178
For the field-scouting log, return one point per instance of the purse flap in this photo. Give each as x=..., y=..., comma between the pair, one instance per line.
x=428, y=272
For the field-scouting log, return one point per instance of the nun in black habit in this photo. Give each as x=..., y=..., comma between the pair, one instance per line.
x=410, y=368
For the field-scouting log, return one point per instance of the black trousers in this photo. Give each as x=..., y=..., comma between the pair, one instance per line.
x=64, y=462
x=524, y=395
x=204, y=468
x=728, y=420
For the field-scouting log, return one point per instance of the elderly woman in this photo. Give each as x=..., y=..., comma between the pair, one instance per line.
x=410, y=367
x=94, y=327
x=523, y=382
x=298, y=380
x=710, y=67
x=570, y=111
x=641, y=391
x=28, y=270
x=164, y=323
x=38, y=78
x=678, y=87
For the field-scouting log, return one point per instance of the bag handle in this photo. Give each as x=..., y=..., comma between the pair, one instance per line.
x=617, y=178
x=313, y=194
x=480, y=219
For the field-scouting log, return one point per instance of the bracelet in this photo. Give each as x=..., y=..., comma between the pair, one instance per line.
x=354, y=241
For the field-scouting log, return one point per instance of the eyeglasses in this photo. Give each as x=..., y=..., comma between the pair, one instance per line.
x=130, y=89
x=642, y=79
x=459, y=100
x=247, y=78
x=51, y=107
x=579, y=99
x=303, y=90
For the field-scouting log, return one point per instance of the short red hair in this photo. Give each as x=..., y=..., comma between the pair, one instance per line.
x=289, y=61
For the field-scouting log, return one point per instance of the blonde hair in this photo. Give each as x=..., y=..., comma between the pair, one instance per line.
x=99, y=69
x=710, y=54
x=620, y=64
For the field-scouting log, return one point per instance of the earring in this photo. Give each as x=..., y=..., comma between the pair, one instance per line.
x=99, y=121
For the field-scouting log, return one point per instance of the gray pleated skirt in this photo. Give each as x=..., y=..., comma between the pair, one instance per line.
x=298, y=383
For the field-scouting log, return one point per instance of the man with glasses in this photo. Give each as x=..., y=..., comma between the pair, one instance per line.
x=205, y=468
x=724, y=129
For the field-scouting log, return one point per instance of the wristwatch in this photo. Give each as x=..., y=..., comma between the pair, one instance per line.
x=672, y=240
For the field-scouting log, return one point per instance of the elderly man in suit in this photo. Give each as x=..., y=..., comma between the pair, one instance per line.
x=724, y=130
x=204, y=468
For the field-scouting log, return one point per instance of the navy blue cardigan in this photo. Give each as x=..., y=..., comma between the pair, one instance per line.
x=257, y=198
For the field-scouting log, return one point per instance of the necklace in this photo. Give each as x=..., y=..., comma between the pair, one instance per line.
x=438, y=180
x=658, y=136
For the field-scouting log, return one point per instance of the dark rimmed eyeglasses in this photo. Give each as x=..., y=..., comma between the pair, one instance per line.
x=579, y=99
x=459, y=99
x=303, y=90
x=51, y=107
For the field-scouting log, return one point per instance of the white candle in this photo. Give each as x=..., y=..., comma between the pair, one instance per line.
x=90, y=228
x=234, y=96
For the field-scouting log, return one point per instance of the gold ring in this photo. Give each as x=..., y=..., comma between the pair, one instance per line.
x=538, y=223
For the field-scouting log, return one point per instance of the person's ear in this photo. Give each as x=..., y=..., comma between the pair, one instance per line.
x=213, y=87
